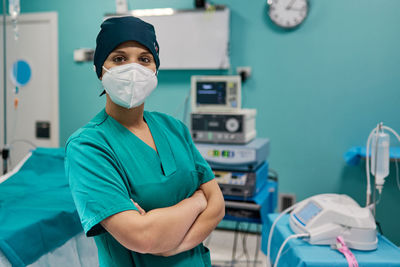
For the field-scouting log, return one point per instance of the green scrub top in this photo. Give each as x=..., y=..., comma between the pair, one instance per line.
x=107, y=166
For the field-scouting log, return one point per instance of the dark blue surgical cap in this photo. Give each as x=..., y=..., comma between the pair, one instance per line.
x=115, y=31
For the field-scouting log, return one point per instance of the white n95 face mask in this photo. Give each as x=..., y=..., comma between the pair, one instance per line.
x=129, y=85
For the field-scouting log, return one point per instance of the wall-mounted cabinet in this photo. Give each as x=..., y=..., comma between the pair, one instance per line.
x=190, y=39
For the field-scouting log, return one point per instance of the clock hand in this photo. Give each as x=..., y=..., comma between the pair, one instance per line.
x=298, y=9
x=290, y=5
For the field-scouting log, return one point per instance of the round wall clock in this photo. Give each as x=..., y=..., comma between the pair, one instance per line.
x=287, y=13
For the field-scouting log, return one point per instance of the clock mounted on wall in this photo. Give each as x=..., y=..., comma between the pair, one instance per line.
x=287, y=14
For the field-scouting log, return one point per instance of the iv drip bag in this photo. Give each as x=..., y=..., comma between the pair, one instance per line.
x=380, y=156
x=14, y=9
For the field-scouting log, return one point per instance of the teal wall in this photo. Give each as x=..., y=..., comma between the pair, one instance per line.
x=319, y=89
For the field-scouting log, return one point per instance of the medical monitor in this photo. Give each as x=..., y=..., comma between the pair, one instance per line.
x=216, y=93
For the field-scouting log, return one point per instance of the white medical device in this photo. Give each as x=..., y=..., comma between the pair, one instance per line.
x=235, y=127
x=216, y=93
x=327, y=216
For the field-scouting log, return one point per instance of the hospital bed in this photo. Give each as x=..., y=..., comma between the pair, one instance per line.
x=39, y=225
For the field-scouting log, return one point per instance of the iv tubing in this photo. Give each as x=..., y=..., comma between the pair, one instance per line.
x=284, y=243
x=368, y=197
x=4, y=81
x=271, y=231
x=4, y=71
x=398, y=138
x=378, y=128
x=392, y=131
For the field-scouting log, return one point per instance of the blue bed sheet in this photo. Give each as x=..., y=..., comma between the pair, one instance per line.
x=37, y=213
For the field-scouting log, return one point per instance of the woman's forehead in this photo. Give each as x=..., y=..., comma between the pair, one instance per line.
x=131, y=44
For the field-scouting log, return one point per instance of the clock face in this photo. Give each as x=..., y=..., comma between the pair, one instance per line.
x=287, y=13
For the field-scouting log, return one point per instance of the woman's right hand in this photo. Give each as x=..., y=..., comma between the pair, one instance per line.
x=200, y=198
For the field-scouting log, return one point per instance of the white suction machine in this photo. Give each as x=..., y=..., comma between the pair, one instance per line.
x=327, y=216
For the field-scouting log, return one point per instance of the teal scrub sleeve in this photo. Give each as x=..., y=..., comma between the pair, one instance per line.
x=96, y=184
x=203, y=169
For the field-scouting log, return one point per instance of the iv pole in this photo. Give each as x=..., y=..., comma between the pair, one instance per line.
x=5, y=149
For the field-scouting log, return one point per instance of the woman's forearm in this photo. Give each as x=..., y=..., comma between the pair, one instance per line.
x=158, y=230
x=206, y=222
x=200, y=230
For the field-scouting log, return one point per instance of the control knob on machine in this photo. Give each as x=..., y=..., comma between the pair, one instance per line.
x=232, y=125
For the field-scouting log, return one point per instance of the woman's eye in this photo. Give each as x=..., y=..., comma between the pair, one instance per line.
x=145, y=59
x=119, y=59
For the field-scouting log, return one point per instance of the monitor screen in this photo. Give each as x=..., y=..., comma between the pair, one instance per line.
x=308, y=212
x=213, y=93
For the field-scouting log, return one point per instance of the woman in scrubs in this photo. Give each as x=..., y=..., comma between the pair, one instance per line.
x=140, y=186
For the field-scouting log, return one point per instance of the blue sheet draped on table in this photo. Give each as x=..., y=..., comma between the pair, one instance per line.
x=299, y=253
x=37, y=213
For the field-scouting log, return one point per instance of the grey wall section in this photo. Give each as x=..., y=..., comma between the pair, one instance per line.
x=319, y=89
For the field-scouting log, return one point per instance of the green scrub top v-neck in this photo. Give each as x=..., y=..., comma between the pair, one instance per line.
x=107, y=166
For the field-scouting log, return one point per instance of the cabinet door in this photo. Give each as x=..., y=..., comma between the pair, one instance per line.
x=36, y=119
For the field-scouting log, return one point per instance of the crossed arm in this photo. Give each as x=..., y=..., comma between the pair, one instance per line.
x=171, y=230
x=207, y=220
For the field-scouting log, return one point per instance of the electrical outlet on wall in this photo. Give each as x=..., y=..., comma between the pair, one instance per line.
x=285, y=200
x=83, y=54
x=244, y=72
